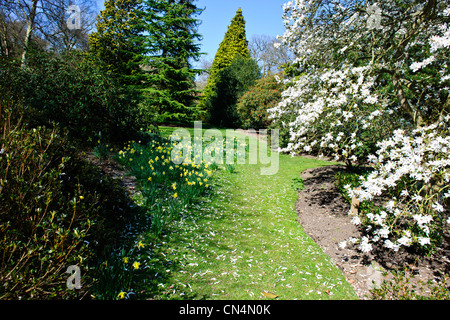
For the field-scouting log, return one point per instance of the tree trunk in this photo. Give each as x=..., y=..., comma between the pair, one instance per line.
x=403, y=101
x=3, y=42
x=30, y=25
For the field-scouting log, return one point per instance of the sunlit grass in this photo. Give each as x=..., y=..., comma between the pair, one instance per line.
x=245, y=239
x=233, y=237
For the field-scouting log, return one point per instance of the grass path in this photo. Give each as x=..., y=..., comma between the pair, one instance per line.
x=245, y=240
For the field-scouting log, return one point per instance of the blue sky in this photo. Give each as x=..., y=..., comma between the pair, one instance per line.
x=261, y=16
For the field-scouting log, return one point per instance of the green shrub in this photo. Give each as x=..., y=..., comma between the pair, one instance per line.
x=101, y=151
x=72, y=91
x=55, y=211
x=252, y=106
x=232, y=82
x=349, y=179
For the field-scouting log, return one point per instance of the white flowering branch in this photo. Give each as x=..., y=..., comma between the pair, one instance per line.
x=371, y=79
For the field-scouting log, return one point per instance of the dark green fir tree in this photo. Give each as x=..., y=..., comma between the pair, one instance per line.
x=172, y=44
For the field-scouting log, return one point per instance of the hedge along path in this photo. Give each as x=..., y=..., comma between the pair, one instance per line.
x=245, y=242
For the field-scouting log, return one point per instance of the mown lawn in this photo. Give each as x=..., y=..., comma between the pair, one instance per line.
x=244, y=239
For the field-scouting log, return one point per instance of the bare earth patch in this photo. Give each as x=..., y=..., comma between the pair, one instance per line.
x=115, y=171
x=322, y=212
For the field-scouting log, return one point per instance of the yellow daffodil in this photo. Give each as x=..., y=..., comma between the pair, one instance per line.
x=140, y=244
x=125, y=259
x=121, y=295
x=136, y=265
x=175, y=195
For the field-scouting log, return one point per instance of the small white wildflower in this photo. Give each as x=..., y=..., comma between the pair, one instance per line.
x=423, y=241
x=404, y=241
x=383, y=232
x=438, y=207
x=365, y=246
x=390, y=245
x=390, y=205
x=422, y=220
x=356, y=221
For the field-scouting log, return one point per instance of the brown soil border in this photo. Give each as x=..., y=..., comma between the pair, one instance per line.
x=323, y=214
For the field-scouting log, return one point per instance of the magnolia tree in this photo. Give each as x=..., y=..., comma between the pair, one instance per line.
x=371, y=84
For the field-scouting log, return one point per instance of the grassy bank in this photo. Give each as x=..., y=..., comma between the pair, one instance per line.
x=242, y=239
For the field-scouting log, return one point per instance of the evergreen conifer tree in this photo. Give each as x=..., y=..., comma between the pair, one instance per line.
x=171, y=44
x=117, y=41
x=234, y=44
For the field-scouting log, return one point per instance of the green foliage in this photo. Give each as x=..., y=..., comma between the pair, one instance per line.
x=349, y=179
x=171, y=43
x=71, y=90
x=298, y=184
x=402, y=287
x=117, y=41
x=234, y=44
x=166, y=187
x=252, y=106
x=233, y=81
x=101, y=151
x=55, y=211
x=231, y=168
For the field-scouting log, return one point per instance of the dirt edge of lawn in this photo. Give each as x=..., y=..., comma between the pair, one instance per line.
x=322, y=212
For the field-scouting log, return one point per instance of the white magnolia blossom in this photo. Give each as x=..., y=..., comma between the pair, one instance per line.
x=340, y=104
x=423, y=156
x=332, y=97
x=365, y=245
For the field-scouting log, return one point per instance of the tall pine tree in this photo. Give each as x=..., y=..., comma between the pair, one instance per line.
x=234, y=44
x=117, y=41
x=171, y=45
